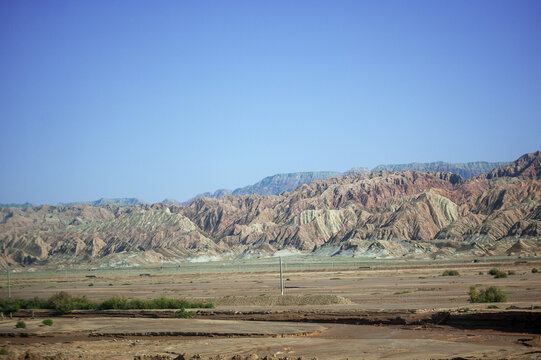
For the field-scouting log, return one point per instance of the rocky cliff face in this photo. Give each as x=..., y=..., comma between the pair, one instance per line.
x=384, y=213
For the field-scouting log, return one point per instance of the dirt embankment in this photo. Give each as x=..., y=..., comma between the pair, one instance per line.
x=509, y=321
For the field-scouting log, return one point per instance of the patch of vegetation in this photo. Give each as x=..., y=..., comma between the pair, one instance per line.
x=4, y=350
x=422, y=277
x=534, y=271
x=481, y=273
x=488, y=295
x=492, y=307
x=64, y=303
x=288, y=279
x=91, y=284
x=530, y=288
x=47, y=322
x=511, y=272
x=20, y=324
x=498, y=274
x=110, y=284
x=183, y=314
x=450, y=273
x=401, y=292
x=162, y=302
x=126, y=284
x=335, y=278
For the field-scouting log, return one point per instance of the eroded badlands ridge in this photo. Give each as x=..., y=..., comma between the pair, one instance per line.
x=374, y=214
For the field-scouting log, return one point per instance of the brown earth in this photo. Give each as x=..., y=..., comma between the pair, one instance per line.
x=403, y=312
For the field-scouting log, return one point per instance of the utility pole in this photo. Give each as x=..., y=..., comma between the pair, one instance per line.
x=9, y=282
x=281, y=277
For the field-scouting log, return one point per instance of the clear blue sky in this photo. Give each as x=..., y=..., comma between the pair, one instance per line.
x=156, y=99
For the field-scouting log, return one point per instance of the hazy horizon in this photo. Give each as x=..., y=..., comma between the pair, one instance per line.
x=131, y=99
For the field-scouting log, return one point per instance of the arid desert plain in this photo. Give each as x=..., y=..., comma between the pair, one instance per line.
x=339, y=310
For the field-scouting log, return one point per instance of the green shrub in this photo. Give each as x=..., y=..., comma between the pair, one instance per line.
x=183, y=314
x=47, y=322
x=450, y=273
x=37, y=303
x=498, y=274
x=488, y=295
x=11, y=305
x=492, y=307
x=4, y=350
x=162, y=302
x=534, y=270
x=116, y=302
x=91, y=284
x=64, y=303
x=511, y=272
x=20, y=325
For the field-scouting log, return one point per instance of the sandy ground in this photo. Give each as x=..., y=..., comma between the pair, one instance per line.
x=328, y=341
x=391, y=289
x=371, y=289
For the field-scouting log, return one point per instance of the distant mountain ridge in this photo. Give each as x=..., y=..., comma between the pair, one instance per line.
x=277, y=184
x=106, y=201
x=466, y=170
x=23, y=205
